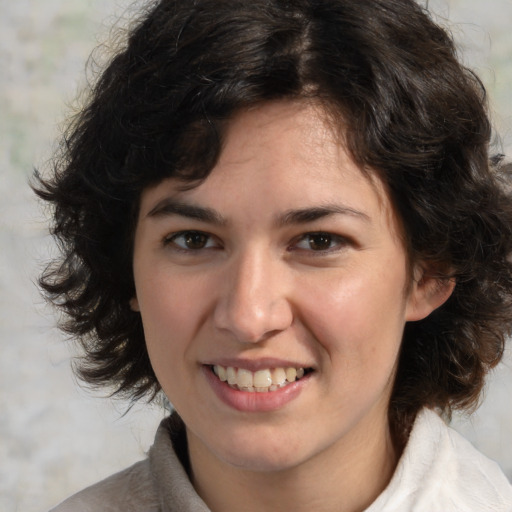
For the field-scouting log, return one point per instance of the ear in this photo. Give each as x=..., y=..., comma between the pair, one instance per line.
x=428, y=292
x=134, y=304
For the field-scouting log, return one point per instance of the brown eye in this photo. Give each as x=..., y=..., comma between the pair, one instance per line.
x=320, y=241
x=191, y=240
x=195, y=240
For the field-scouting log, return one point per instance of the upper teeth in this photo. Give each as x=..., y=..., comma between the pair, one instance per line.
x=260, y=381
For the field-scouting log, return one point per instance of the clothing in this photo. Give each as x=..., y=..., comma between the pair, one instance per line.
x=439, y=471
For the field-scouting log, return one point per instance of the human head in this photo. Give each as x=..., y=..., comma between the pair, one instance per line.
x=389, y=82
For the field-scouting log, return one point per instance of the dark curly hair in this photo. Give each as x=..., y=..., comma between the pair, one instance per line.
x=389, y=80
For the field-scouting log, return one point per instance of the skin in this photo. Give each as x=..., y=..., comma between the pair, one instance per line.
x=261, y=284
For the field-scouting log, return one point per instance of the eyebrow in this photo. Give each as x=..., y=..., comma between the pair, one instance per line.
x=305, y=215
x=168, y=207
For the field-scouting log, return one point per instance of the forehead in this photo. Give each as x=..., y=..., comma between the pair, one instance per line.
x=284, y=134
x=281, y=155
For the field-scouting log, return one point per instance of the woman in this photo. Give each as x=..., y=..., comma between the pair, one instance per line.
x=283, y=215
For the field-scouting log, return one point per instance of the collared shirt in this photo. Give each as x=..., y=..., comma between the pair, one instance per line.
x=439, y=471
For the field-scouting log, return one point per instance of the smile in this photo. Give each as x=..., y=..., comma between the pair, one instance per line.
x=261, y=381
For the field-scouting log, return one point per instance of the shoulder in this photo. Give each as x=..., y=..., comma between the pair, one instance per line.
x=158, y=483
x=126, y=491
x=440, y=470
x=459, y=474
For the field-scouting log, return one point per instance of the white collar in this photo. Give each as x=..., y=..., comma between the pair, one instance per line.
x=440, y=471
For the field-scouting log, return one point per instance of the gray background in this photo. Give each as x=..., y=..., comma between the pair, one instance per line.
x=55, y=436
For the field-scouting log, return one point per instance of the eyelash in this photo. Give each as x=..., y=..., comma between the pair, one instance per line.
x=171, y=240
x=335, y=242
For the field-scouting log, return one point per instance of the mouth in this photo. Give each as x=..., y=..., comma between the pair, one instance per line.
x=261, y=381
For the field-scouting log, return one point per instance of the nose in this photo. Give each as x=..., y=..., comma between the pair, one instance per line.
x=253, y=304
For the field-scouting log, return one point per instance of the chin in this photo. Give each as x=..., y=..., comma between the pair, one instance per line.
x=262, y=462
x=266, y=453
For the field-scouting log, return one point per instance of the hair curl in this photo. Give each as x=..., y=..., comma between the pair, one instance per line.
x=389, y=79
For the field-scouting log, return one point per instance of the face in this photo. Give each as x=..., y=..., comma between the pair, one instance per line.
x=274, y=295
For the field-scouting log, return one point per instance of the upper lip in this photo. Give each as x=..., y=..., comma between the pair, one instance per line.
x=254, y=365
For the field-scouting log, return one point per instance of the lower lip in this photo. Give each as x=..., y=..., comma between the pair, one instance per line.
x=246, y=401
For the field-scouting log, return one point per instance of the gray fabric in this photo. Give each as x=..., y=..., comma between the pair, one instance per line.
x=174, y=489
x=157, y=484
x=438, y=471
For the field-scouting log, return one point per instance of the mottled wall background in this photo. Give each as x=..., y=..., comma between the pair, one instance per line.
x=56, y=437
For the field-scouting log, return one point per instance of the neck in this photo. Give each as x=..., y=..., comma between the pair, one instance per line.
x=345, y=477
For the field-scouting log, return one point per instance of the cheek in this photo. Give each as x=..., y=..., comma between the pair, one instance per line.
x=360, y=320
x=164, y=295
x=173, y=309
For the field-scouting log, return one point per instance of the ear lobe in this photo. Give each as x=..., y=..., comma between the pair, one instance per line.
x=427, y=294
x=134, y=304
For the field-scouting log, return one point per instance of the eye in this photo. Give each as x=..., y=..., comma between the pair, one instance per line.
x=320, y=242
x=191, y=240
